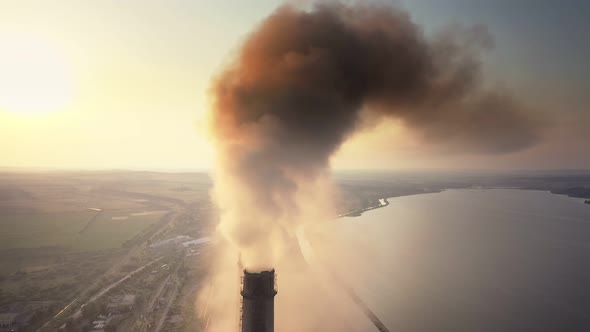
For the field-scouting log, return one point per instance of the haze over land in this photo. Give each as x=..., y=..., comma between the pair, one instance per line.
x=56, y=248
x=305, y=119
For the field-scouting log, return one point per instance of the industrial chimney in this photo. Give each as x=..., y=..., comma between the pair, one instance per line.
x=258, y=292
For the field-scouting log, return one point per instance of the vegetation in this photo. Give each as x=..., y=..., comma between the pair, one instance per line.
x=68, y=230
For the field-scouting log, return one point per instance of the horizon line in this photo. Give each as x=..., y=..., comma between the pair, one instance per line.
x=45, y=169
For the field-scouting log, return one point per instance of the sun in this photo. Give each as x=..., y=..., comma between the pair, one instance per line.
x=34, y=75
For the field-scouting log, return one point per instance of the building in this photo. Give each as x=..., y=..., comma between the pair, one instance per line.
x=100, y=323
x=8, y=321
x=171, y=243
x=195, y=243
x=18, y=315
x=121, y=303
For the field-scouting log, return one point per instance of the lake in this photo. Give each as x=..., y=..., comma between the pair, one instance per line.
x=467, y=260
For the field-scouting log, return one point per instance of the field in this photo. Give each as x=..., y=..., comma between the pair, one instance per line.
x=41, y=229
x=76, y=231
x=105, y=233
x=82, y=211
x=62, y=232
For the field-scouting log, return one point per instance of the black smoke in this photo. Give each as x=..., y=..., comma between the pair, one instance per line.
x=303, y=78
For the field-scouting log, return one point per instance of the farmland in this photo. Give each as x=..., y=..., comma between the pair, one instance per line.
x=82, y=211
x=68, y=229
x=68, y=236
x=66, y=233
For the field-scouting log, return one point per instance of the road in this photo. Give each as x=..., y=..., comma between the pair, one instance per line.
x=170, y=302
x=156, y=296
x=133, y=251
x=141, y=323
x=106, y=289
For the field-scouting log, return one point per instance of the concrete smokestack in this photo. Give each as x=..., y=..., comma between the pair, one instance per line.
x=258, y=292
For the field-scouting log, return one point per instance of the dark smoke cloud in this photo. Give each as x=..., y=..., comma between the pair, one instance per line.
x=302, y=79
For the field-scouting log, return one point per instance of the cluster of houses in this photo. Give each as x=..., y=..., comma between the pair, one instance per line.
x=100, y=323
x=117, y=305
x=19, y=315
x=179, y=242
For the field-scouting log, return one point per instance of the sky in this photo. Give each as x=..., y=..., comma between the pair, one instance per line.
x=124, y=84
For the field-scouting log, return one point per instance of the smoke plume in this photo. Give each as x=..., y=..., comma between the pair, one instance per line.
x=301, y=83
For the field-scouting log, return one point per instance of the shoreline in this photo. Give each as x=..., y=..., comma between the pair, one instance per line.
x=383, y=202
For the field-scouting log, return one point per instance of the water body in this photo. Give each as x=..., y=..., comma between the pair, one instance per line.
x=468, y=260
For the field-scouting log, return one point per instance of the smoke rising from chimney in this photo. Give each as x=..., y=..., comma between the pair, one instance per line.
x=298, y=88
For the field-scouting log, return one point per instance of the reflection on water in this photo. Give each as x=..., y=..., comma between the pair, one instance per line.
x=467, y=260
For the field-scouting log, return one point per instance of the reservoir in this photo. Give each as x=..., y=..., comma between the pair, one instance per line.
x=467, y=260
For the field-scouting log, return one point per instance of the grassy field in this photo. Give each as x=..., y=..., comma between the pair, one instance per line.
x=105, y=233
x=73, y=230
x=55, y=209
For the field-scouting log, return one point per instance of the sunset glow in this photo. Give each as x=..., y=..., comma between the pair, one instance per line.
x=35, y=75
x=294, y=165
x=143, y=70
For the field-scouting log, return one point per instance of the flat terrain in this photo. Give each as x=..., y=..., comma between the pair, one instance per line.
x=69, y=229
x=68, y=236
x=88, y=211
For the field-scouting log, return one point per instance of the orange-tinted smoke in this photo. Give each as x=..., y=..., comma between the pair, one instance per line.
x=298, y=86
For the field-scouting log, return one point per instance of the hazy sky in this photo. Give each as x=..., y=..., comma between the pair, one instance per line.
x=123, y=84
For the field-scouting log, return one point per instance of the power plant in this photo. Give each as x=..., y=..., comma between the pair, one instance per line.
x=257, y=307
